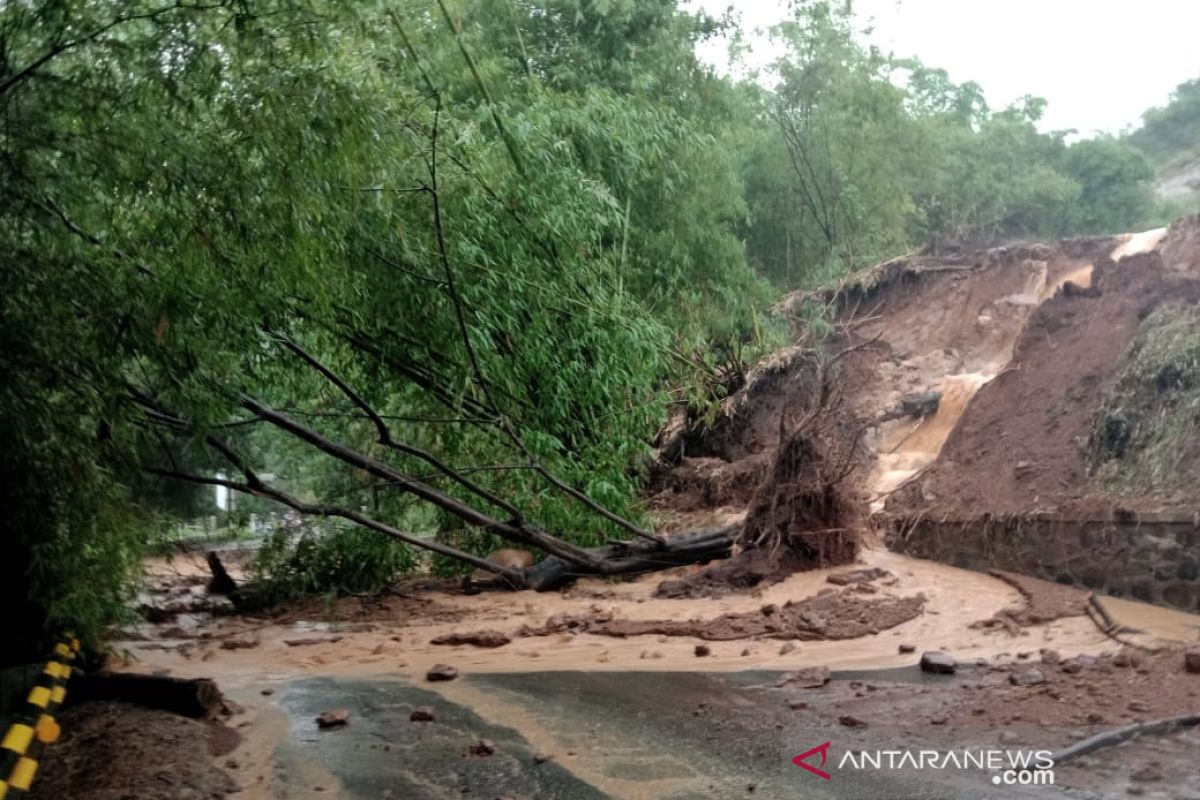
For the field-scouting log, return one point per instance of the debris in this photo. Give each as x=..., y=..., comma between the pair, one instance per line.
x=333, y=719
x=851, y=721
x=865, y=575
x=240, y=642
x=441, y=672
x=312, y=640
x=482, y=748
x=475, y=638
x=423, y=714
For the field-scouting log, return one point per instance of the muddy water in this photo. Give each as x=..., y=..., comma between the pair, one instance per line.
x=907, y=447
x=955, y=599
x=1135, y=243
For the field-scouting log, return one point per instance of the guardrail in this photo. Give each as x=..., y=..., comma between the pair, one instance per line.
x=36, y=727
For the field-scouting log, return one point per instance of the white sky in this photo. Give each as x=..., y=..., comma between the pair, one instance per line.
x=1099, y=63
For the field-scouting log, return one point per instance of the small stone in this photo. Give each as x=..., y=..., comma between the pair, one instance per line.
x=232, y=763
x=268, y=692
x=1138, y=707
x=1071, y=667
x=423, y=714
x=1050, y=656
x=333, y=719
x=1191, y=659
x=1027, y=677
x=1095, y=718
x=703, y=650
x=937, y=662
x=745, y=652
x=851, y=721
x=1008, y=737
x=441, y=672
x=797, y=705
x=542, y=758
x=787, y=647
x=483, y=748
x=938, y=721
x=908, y=648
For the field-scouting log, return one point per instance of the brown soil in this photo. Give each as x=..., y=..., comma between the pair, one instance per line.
x=1043, y=602
x=1021, y=444
x=113, y=751
x=830, y=616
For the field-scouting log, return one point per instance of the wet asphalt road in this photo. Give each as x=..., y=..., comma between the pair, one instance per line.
x=678, y=736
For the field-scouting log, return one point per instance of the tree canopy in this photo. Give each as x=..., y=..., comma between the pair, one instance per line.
x=438, y=267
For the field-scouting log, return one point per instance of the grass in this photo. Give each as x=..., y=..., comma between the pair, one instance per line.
x=1143, y=439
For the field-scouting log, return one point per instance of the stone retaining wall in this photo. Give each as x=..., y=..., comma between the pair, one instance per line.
x=1153, y=558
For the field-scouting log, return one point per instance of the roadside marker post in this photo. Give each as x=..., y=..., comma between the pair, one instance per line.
x=36, y=727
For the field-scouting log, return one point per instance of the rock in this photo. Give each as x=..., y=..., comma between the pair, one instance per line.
x=703, y=650
x=908, y=648
x=441, y=672
x=1191, y=659
x=267, y=692
x=745, y=652
x=851, y=722
x=787, y=647
x=474, y=638
x=482, y=748
x=542, y=758
x=937, y=662
x=807, y=678
x=232, y=763
x=1127, y=658
x=1008, y=737
x=797, y=705
x=938, y=721
x=1071, y=667
x=1095, y=718
x=1027, y=677
x=333, y=719
x=1050, y=656
x=423, y=714
x=1138, y=707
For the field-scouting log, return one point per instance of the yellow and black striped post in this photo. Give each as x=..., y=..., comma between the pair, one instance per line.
x=36, y=727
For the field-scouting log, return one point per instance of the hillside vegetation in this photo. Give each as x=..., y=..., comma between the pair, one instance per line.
x=435, y=268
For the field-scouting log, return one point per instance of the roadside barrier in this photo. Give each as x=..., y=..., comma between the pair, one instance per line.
x=35, y=726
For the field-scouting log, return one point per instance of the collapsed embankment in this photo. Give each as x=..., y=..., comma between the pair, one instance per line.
x=1062, y=439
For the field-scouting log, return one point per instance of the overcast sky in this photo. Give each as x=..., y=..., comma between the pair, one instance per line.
x=1099, y=63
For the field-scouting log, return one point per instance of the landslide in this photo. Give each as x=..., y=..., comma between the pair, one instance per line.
x=1033, y=350
x=1027, y=440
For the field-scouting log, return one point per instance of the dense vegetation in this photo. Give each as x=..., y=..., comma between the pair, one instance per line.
x=1170, y=138
x=498, y=236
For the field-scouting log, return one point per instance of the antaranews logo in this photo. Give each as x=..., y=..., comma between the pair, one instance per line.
x=1008, y=767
